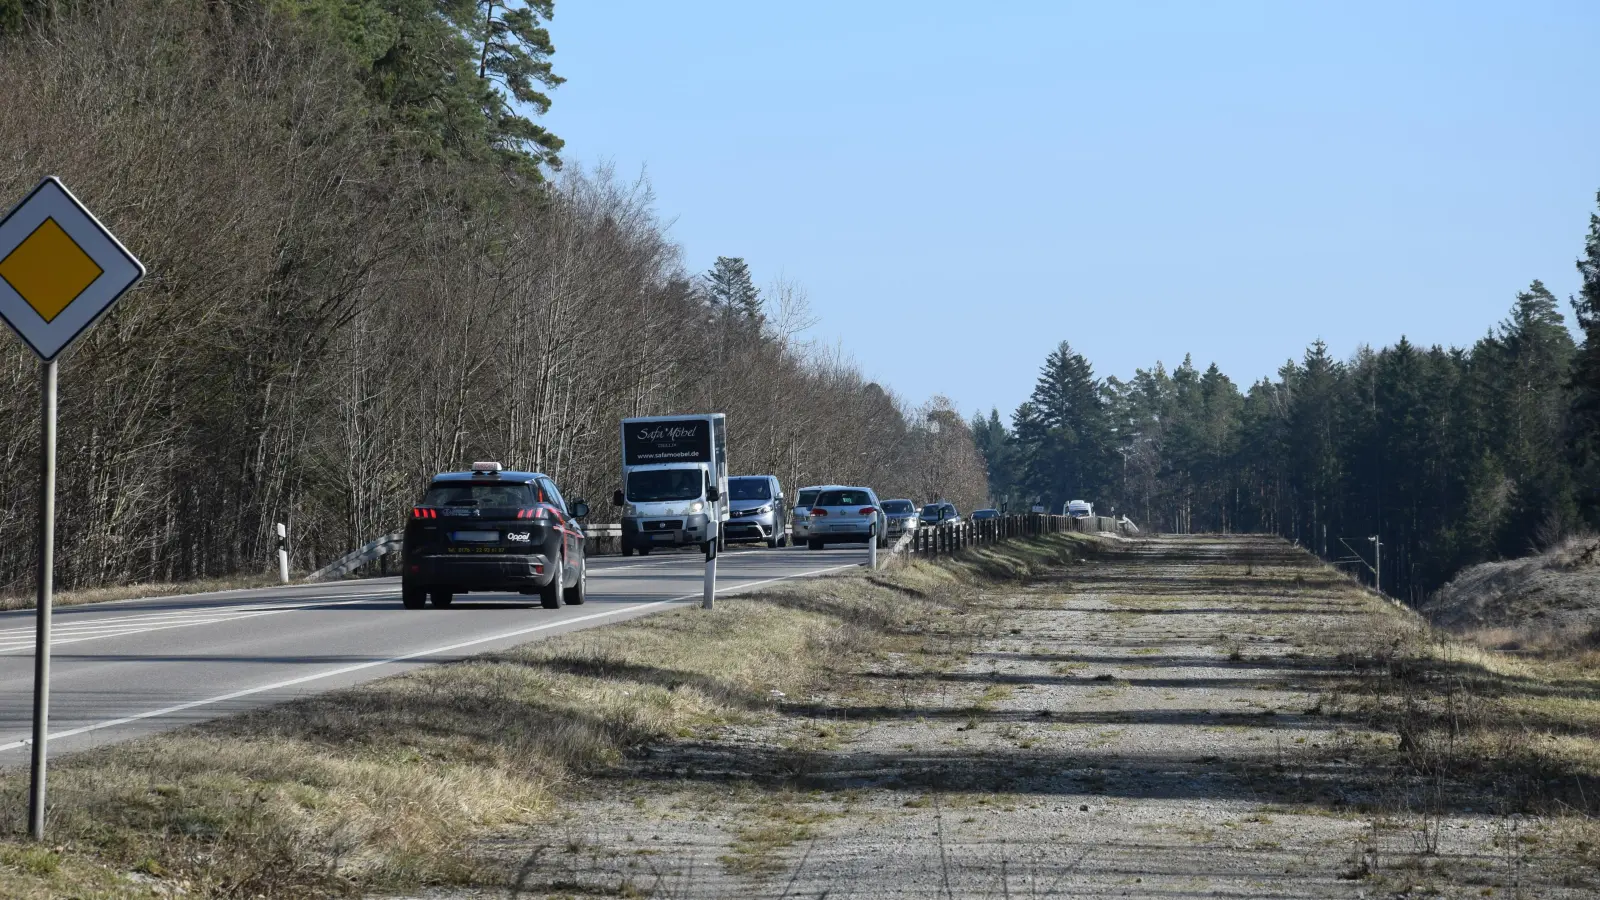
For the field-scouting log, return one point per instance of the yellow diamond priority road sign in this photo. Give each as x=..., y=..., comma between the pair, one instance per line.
x=60, y=269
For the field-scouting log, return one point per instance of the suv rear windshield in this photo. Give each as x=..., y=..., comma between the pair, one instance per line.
x=805, y=499
x=844, y=498
x=749, y=489
x=658, y=485
x=898, y=507
x=467, y=493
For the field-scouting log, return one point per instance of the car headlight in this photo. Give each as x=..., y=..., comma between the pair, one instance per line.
x=761, y=510
x=697, y=506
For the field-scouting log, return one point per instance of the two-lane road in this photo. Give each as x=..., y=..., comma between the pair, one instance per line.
x=129, y=668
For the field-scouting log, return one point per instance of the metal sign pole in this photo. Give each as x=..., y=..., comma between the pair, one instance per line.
x=41, y=649
x=60, y=270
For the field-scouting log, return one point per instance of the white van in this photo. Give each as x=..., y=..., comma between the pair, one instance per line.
x=1078, y=509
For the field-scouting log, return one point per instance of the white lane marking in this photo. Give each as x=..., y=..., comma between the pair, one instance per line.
x=391, y=581
x=345, y=670
x=103, y=628
x=19, y=640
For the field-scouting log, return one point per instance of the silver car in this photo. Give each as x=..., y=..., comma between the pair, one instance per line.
x=800, y=514
x=756, y=510
x=900, y=516
x=845, y=515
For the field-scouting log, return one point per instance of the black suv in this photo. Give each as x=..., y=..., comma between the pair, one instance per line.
x=489, y=530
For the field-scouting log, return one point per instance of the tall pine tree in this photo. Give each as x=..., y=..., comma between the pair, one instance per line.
x=1063, y=432
x=1584, y=430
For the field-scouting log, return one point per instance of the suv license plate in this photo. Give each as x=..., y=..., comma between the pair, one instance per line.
x=476, y=537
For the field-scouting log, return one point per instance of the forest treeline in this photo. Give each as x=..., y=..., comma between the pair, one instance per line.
x=368, y=264
x=1452, y=456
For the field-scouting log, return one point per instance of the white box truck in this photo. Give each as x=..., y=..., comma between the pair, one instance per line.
x=674, y=482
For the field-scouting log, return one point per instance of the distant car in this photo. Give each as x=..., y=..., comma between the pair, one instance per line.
x=1077, y=509
x=492, y=530
x=940, y=514
x=845, y=515
x=979, y=515
x=800, y=513
x=900, y=516
x=756, y=511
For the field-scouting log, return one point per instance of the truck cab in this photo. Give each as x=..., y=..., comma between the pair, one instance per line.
x=674, y=482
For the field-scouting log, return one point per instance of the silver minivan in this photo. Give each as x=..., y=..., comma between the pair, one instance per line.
x=756, y=511
x=845, y=515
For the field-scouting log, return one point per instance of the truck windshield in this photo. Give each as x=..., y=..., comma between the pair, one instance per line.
x=657, y=485
x=465, y=493
x=749, y=489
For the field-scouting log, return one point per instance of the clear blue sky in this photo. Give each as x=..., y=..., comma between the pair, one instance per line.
x=961, y=186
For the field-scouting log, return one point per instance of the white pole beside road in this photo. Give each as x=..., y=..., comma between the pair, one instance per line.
x=709, y=598
x=46, y=585
x=283, y=554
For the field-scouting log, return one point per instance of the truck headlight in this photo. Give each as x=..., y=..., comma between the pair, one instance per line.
x=629, y=509
x=761, y=510
x=696, y=507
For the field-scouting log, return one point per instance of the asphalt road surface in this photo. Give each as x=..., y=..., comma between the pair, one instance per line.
x=124, y=669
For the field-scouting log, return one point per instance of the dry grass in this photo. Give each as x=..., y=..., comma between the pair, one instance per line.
x=385, y=786
x=1510, y=733
x=144, y=591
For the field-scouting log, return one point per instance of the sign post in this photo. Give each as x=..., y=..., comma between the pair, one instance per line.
x=45, y=583
x=60, y=270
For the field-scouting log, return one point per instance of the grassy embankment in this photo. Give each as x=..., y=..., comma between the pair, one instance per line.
x=385, y=786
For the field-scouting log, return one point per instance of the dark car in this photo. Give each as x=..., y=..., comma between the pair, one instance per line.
x=939, y=514
x=979, y=515
x=490, y=530
x=900, y=517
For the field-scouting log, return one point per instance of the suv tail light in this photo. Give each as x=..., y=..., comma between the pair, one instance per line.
x=818, y=511
x=536, y=513
x=419, y=512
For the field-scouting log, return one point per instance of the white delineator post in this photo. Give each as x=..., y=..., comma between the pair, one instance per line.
x=872, y=546
x=709, y=598
x=283, y=554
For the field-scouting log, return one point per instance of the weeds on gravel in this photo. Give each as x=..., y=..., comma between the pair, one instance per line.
x=1473, y=730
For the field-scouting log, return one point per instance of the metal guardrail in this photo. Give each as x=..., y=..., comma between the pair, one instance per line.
x=940, y=540
x=923, y=541
x=355, y=559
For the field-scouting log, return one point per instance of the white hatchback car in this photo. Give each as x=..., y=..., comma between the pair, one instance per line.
x=845, y=515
